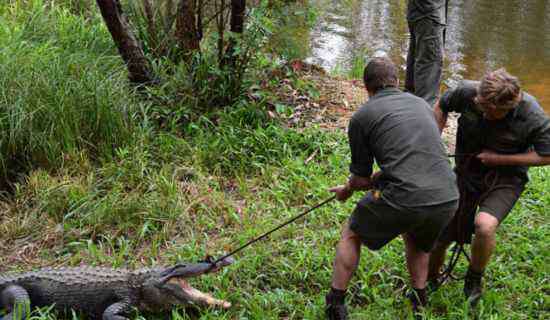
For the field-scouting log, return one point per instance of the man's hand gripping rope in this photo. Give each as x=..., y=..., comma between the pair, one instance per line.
x=355, y=182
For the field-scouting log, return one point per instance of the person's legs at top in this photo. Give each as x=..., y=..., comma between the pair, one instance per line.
x=409, y=75
x=428, y=60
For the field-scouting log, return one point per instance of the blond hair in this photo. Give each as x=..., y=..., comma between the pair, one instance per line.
x=500, y=89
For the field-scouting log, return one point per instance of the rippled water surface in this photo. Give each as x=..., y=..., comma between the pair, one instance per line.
x=481, y=35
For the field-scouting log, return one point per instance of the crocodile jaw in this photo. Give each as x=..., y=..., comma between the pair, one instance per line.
x=198, y=296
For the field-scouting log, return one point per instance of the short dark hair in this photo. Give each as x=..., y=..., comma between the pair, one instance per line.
x=380, y=73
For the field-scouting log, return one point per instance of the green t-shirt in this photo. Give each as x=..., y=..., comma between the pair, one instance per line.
x=398, y=130
x=524, y=128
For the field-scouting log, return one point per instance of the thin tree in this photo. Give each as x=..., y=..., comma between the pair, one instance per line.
x=187, y=31
x=238, y=8
x=139, y=70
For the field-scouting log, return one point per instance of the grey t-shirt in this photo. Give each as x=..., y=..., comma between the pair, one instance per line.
x=524, y=128
x=420, y=9
x=398, y=130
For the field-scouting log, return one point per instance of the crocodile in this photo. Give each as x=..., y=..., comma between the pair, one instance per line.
x=105, y=293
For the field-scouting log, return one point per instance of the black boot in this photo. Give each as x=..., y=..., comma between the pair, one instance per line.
x=336, y=307
x=472, y=286
x=419, y=299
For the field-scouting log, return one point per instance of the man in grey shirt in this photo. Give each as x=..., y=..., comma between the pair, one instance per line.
x=425, y=56
x=416, y=188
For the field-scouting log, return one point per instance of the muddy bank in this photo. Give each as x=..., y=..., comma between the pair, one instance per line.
x=337, y=100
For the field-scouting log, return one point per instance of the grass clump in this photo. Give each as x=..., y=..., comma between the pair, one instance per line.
x=59, y=91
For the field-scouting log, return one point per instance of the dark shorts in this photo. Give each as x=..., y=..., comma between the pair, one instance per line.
x=497, y=199
x=377, y=223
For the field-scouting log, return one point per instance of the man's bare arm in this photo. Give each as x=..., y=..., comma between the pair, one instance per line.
x=440, y=117
x=354, y=183
x=531, y=159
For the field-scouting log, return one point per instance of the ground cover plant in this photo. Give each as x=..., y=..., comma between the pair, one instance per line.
x=98, y=175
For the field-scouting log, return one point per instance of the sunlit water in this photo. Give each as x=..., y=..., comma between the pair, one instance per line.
x=481, y=35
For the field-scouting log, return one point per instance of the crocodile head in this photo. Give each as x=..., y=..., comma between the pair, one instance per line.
x=169, y=286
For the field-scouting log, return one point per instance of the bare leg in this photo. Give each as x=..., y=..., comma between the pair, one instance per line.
x=437, y=259
x=483, y=246
x=417, y=263
x=484, y=242
x=348, y=252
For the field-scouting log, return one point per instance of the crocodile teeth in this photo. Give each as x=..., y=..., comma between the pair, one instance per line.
x=200, y=297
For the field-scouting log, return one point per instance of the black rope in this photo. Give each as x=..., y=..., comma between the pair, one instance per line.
x=214, y=262
x=490, y=181
x=458, y=248
x=447, y=273
x=273, y=230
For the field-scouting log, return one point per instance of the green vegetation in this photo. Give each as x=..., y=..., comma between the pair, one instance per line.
x=62, y=89
x=103, y=176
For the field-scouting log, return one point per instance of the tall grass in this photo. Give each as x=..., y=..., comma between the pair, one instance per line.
x=62, y=88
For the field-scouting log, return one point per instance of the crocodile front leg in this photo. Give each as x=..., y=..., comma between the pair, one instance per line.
x=116, y=311
x=16, y=300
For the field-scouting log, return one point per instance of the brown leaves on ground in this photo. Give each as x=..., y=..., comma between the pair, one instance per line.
x=316, y=98
x=336, y=99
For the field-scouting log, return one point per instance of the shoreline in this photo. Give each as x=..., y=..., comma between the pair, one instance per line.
x=339, y=98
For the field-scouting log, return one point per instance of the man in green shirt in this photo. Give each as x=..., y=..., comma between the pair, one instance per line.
x=425, y=56
x=416, y=189
x=501, y=132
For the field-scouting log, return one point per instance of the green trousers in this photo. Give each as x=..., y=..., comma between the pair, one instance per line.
x=425, y=59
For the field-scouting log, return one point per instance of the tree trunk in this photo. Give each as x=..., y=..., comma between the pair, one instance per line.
x=186, y=27
x=220, y=23
x=153, y=42
x=139, y=71
x=238, y=8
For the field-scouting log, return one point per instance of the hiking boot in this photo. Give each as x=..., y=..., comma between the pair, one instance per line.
x=336, y=308
x=418, y=298
x=472, y=287
x=336, y=312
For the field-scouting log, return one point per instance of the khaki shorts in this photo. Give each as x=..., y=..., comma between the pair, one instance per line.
x=377, y=223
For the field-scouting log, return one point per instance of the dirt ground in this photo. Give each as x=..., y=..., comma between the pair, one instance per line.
x=337, y=100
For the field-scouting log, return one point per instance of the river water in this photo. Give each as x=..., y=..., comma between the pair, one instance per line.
x=481, y=35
